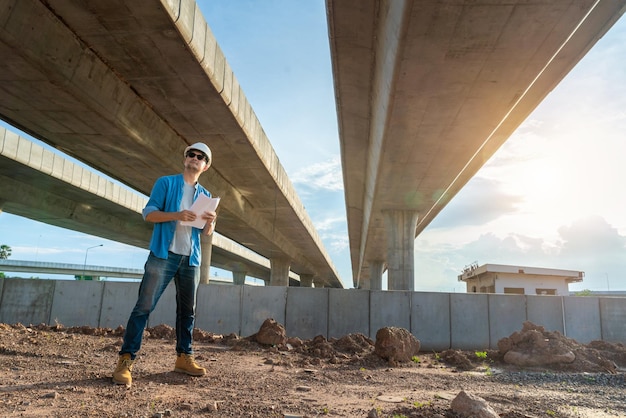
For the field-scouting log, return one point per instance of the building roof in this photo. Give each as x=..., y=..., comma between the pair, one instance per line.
x=475, y=271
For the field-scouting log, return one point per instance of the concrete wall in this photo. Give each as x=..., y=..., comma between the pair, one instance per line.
x=439, y=320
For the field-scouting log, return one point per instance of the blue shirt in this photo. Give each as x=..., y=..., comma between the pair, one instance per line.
x=166, y=195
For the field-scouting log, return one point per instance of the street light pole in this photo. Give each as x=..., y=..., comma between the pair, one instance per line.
x=85, y=263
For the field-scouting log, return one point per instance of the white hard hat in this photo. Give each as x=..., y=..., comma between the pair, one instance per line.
x=200, y=147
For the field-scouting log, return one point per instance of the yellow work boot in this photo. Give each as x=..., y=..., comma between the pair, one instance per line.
x=185, y=363
x=121, y=375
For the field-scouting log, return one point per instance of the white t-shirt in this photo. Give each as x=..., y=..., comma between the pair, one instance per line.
x=181, y=244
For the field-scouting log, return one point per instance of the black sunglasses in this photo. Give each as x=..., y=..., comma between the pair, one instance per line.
x=200, y=156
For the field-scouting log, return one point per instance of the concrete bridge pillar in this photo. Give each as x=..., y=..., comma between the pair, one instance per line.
x=375, y=281
x=306, y=280
x=279, y=276
x=206, y=248
x=318, y=282
x=400, y=226
x=239, y=273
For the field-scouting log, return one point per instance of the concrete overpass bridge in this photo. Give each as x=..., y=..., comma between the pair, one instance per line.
x=426, y=92
x=38, y=184
x=125, y=86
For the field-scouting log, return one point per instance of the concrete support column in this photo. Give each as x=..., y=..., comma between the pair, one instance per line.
x=376, y=275
x=363, y=282
x=400, y=226
x=319, y=283
x=279, y=276
x=306, y=280
x=239, y=274
x=206, y=248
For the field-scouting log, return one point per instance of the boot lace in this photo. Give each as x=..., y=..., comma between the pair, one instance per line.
x=189, y=359
x=126, y=363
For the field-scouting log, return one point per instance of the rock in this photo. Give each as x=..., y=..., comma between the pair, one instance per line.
x=271, y=333
x=212, y=407
x=533, y=346
x=468, y=405
x=295, y=342
x=457, y=358
x=396, y=344
x=373, y=414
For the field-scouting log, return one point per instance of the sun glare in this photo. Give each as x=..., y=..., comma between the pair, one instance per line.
x=539, y=183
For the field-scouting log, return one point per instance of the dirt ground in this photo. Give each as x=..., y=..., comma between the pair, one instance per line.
x=66, y=372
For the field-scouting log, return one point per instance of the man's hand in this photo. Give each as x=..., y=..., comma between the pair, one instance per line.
x=210, y=218
x=186, y=215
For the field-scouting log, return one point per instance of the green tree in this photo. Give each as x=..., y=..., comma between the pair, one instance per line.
x=585, y=292
x=5, y=252
x=81, y=277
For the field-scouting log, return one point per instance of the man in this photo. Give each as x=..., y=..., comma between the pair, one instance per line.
x=174, y=254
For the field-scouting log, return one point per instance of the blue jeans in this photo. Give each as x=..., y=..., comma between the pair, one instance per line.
x=157, y=275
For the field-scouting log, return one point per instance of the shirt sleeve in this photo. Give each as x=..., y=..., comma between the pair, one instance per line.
x=156, y=202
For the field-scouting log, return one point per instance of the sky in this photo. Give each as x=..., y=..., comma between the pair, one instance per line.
x=550, y=197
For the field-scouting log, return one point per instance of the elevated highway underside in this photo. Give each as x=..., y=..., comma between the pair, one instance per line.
x=38, y=184
x=426, y=92
x=125, y=86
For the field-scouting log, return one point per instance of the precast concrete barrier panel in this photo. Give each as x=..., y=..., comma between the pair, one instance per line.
x=165, y=310
x=1, y=287
x=307, y=312
x=582, y=318
x=469, y=321
x=613, y=317
x=546, y=311
x=348, y=312
x=507, y=314
x=218, y=308
x=27, y=301
x=389, y=308
x=118, y=301
x=77, y=303
x=261, y=303
x=430, y=320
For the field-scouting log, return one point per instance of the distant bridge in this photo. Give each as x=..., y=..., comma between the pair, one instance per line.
x=96, y=272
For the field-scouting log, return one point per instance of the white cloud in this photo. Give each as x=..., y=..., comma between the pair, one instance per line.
x=588, y=244
x=324, y=175
x=332, y=232
x=336, y=243
x=27, y=252
x=329, y=224
x=482, y=200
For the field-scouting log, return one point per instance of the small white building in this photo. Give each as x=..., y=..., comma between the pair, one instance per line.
x=498, y=278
